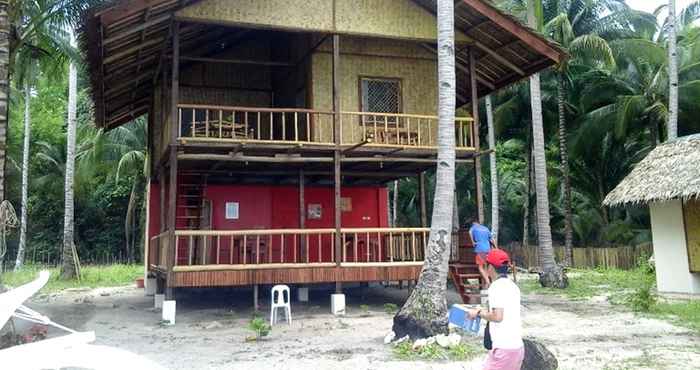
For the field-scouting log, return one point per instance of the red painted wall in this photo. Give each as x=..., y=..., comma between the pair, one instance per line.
x=277, y=207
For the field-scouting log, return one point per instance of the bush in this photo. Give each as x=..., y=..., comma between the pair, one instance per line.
x=365, y=309
x=644, y=296
x=391, y=308
x=258, y=326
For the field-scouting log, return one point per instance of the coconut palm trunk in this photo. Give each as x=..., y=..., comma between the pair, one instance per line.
x=25, y=179
x=552, y=274
x=564, y=154
x=69, y=258
x=4, y=88
x=494, y=169
x=672, y=72
x=424, y=313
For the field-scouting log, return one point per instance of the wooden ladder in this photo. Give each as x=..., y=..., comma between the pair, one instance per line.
x=190, y=197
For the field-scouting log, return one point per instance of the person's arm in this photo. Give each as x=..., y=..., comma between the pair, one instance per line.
x=495, y=315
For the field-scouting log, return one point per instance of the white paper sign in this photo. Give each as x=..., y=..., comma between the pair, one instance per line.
x=232, y=210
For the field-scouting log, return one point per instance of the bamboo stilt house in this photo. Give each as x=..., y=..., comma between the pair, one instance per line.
x=274, y=126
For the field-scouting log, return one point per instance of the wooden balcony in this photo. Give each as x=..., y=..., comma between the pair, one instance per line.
x=244, y=257
x=220, y=124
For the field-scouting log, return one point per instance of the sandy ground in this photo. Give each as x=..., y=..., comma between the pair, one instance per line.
x=211, y=329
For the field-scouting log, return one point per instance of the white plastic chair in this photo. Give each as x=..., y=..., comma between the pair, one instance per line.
x=280, y=300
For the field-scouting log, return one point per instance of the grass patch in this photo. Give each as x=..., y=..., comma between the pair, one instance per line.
x=432, y=352
x=634, y=289
x=91, y=277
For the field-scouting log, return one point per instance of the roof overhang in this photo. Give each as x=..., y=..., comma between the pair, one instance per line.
x=124, y=43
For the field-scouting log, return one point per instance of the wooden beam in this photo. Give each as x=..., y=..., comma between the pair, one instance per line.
x=141, y=27
x=302, y=215
x=119, y=55
x=172, y=195
x=528, y=36
x=475, y=139
x=461, y=68
x=236, y=61
x=336, y=154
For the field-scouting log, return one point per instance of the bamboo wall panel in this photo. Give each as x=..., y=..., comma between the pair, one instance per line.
x=691, y=216
x=418, y=83
x=294, y=276
x=314, y=15
x=403, y=19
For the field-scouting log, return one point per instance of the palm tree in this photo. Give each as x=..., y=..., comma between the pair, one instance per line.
x=582, y=48
x=552, y=274
x=128, y=142
x=69, y=267
x=25, y=178
x=493, y=169
x=424, y=313
x=4, y=87
x=672, y=73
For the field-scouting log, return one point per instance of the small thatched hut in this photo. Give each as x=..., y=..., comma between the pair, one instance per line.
x=668, y=181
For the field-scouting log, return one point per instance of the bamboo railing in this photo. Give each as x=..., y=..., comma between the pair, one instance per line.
x=307, y=126
x=302, y=247
x=158, y=249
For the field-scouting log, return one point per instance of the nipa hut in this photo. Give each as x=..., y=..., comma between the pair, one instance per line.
x=668, y=181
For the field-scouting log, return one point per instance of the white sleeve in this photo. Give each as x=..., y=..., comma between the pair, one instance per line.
x=496, y=299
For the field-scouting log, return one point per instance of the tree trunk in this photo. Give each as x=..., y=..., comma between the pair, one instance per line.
x=25, y=180
x=564, y=154
x=494, y=169
x=528, y=189
x=130, y=222
x=424, y=313
x=69, y=265
x=552, y=274
x=4, y=88
x=672, y=73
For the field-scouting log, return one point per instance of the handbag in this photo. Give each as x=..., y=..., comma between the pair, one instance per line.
x=488, y=344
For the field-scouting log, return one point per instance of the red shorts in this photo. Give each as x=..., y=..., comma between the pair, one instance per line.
x=481, y=259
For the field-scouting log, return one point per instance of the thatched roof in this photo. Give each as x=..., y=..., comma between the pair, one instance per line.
x=125, y=40
x=670, y=171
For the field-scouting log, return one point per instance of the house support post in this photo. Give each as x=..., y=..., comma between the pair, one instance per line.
x=475, y=115
x=336, y=155
x=304, y=252
x=172, y=195
x=255, y=297
x=421, y=194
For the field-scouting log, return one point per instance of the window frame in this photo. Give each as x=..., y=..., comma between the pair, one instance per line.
x=398, y=81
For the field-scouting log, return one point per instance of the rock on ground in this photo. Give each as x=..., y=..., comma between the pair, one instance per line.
x=538, y=357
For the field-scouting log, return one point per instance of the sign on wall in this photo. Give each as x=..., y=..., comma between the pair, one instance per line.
x=232, y=211
x=346, y=204
x=313, y=211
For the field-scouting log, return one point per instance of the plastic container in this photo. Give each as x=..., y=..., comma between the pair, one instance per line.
x=459, y=317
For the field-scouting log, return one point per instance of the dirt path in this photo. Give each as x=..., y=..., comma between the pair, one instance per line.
x=211, y=329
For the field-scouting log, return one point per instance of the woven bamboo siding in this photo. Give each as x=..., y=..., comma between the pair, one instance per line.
x=294, y=276
x=401, y=19
x=297, y=14
x=691, y=215
x=418, y=78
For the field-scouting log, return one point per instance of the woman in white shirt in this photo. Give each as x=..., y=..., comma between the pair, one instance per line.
x=505, y=326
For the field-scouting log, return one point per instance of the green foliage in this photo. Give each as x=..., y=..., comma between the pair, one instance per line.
x=365, y=309
x=90, y=277
x=644, y=296
x=433, y=352
x=391, y=308
x=259, y=327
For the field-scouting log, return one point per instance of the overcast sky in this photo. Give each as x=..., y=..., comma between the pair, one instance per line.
x=651, y=5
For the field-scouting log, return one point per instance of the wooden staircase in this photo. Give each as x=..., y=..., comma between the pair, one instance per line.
x=465, y=273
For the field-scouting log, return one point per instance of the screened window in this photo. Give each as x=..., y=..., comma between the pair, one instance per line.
x=380, y=95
